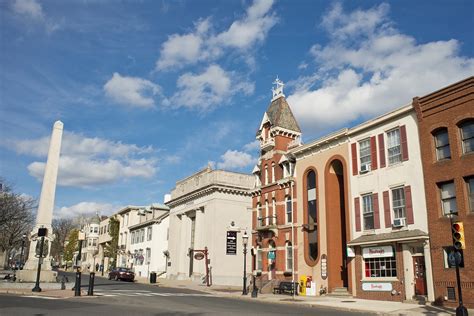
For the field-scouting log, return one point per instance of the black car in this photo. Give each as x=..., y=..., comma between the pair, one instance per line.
x=122, y=274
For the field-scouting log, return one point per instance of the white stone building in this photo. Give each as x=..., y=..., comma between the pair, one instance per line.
x=104, y=240
x=389, y=228
x=90, y=246
x=149, y=241
x=128, y=216
x=202, y=208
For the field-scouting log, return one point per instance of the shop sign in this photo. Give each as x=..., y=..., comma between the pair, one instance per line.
x=324, y=266
x=377, y=252
x=377, y=286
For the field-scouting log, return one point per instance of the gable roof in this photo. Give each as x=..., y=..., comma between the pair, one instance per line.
x=279, y=114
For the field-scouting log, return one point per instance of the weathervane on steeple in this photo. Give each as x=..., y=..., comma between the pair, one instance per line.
x=278, y=90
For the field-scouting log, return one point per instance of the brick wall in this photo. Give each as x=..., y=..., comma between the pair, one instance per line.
x=445, y=108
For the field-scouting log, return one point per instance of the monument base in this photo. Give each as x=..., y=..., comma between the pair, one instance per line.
x=29, y=276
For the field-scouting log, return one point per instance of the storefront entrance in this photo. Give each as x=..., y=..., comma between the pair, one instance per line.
x=419, y=270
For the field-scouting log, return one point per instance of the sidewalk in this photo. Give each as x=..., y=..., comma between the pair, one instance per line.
x=343, y=303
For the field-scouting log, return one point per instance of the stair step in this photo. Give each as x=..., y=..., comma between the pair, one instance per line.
x=340, y=291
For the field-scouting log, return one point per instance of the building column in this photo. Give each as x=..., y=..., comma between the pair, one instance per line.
x=429, y=271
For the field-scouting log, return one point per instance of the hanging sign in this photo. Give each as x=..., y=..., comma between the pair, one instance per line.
x=231, y=243
x=324, y=266
x=377, y=252
x=198, y=256
x=377, y=286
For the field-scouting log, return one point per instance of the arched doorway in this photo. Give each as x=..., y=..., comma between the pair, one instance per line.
x=271, y=260
x=337, y=230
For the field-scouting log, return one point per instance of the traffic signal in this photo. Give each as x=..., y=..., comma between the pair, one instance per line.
x=458, y=235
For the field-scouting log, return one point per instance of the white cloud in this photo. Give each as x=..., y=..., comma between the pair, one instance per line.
x=85, y=209
x=33, y=12
x=78, y=145
x=234, y=159
x=183, y=49
x=252, y=146
x=87, y=161
x=201, y=44
x=204, y=91
x=131, y=91
x=253, y=28
x=369, y=67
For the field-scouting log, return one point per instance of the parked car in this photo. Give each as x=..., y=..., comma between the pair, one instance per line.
x=122, y=274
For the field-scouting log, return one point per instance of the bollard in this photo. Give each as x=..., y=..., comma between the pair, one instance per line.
x=77, y=286
x=63, y=283
x=90, y=290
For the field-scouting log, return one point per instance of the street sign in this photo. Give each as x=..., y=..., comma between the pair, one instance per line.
x=231, y=243
x=455, y=257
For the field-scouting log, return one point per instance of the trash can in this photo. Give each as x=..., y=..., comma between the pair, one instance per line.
x=153, y=277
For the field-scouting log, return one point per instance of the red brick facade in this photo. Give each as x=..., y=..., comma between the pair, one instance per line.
x=445, y=110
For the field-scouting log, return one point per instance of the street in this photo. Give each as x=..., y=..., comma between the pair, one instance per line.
x=127, y=298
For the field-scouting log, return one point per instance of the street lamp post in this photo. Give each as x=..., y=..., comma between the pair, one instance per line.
x=245, y=240
x=23, y=238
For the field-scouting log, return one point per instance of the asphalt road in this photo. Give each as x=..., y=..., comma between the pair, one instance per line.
x=126, y=298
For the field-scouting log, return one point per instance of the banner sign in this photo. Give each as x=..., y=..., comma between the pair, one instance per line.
x=377, y=252
x=377, y=286
x=231, y=243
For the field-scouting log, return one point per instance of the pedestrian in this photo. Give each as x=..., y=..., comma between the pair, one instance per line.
x=101, y=268
x=97, y=267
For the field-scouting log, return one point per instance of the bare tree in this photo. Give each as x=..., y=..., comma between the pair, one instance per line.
x=16, y=219
x=61, y=229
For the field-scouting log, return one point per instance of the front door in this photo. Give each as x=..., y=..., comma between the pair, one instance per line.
x=420, y=275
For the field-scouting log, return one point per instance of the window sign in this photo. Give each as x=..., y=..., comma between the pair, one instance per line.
x=377, y=252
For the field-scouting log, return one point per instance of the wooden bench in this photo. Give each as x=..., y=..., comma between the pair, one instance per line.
x=286, y=287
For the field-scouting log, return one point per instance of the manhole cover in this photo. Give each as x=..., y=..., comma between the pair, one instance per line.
x=348, y=301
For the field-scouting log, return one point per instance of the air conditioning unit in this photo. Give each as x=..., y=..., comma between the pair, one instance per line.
x=364, y=168
x=399, y=222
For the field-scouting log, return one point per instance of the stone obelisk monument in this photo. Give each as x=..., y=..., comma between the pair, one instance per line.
x=44, y=216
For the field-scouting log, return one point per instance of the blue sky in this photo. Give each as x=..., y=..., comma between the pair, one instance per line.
x=152, y=91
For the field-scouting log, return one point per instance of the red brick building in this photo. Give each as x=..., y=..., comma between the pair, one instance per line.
x=446, y=130
x=273, y=202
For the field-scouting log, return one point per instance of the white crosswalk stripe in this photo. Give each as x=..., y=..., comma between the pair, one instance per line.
x=43, y=297
x=112, y=293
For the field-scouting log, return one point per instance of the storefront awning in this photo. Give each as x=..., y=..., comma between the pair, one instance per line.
x=400, y=236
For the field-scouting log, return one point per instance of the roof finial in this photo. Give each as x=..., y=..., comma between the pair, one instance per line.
x=278, y=90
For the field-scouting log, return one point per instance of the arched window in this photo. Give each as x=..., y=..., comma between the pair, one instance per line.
x=467, y=136
x=259, y=265
x=441, y=139
x=289, y=256
x=273, y=213
x=259, y=215
x=266, y=213
x=266, y=174
x=273, y=172
x=311, y=209
x=289, y=209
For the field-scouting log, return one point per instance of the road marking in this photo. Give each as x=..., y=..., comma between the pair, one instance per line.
x=43, y=297
x=147, y=294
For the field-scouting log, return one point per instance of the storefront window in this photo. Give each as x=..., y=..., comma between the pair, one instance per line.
x=380, y=267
